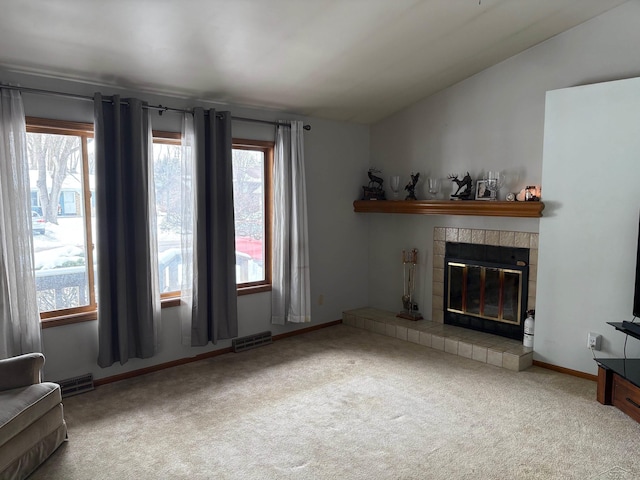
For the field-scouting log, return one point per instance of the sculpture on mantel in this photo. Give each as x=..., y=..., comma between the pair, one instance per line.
x=374, y=190
x=464, y=190
x=411, y=187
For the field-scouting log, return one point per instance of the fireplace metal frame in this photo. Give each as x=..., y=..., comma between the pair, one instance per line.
x=505, y=259
x=484, y=267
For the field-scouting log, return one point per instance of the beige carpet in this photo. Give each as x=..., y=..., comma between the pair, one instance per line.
x=344, y=403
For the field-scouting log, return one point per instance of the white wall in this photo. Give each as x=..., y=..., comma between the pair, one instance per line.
x=587, y=255
x=493, y=120
x=336, y=154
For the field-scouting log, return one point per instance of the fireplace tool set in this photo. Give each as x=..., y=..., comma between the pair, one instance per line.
x=409, y=307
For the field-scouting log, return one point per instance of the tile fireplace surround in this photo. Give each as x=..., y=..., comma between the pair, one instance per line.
x=479, y=346
x=501, y=238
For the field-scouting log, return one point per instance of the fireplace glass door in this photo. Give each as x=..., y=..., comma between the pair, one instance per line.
x=490, y=293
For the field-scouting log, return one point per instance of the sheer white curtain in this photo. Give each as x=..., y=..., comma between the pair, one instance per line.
x=19, y=317
x=188, y=296
x=290, y=293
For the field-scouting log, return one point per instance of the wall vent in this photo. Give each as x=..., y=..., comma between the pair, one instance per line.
x=76, y=385
x=251, y=341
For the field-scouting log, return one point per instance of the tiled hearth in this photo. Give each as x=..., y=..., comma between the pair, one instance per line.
x=482, y=347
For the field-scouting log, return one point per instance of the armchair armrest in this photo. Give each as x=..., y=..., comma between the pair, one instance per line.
x=20, y=371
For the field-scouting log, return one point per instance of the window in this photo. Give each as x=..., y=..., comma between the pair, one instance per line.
x=252, y=166
x=252, y=163
x=61, y=172
x=166, y=165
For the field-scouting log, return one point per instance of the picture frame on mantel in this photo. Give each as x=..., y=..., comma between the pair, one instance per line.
x=482, y=192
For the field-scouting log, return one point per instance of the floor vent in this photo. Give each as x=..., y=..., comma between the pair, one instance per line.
x=252, y=341
x=76, y=385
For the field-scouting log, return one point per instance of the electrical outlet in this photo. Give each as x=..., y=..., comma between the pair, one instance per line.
x=594, y=341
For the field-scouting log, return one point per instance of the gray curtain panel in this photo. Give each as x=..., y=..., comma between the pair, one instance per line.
x=215, y=313
x=127, y=307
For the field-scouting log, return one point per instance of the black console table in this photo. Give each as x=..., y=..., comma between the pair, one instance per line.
x=619, y=380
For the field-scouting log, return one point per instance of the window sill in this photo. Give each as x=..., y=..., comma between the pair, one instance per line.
x=60, y=320
x=250, y=289
x=72, y=318
x=169, y=302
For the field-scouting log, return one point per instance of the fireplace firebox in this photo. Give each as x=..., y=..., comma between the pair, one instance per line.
x=486, y=288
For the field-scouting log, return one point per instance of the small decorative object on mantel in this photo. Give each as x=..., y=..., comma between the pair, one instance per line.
x=409, y=306
x=510, y=197
x=374, y=190
x=482, y=192
x=464, y=190
x=411, y=187
x=494, y=180
x=434, y=188
x=395, y=186
x=532, y=193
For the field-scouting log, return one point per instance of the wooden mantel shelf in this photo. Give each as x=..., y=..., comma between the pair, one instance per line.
x=480, y=208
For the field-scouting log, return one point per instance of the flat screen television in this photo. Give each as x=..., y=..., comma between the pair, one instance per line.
x=636, y=296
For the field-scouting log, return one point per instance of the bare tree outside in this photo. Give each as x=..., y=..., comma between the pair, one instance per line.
x=248, y=193
x=61, y=258
x=53, y=157
x=167, y=182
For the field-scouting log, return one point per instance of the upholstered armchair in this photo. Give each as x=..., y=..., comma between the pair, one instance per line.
x=32, y=423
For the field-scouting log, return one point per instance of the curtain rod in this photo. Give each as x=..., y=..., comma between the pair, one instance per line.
x=160, y=108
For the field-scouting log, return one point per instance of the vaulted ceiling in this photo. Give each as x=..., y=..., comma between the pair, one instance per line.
x=352, y=60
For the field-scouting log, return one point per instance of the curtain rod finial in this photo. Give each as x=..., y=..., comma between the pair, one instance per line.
x=307, y=127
